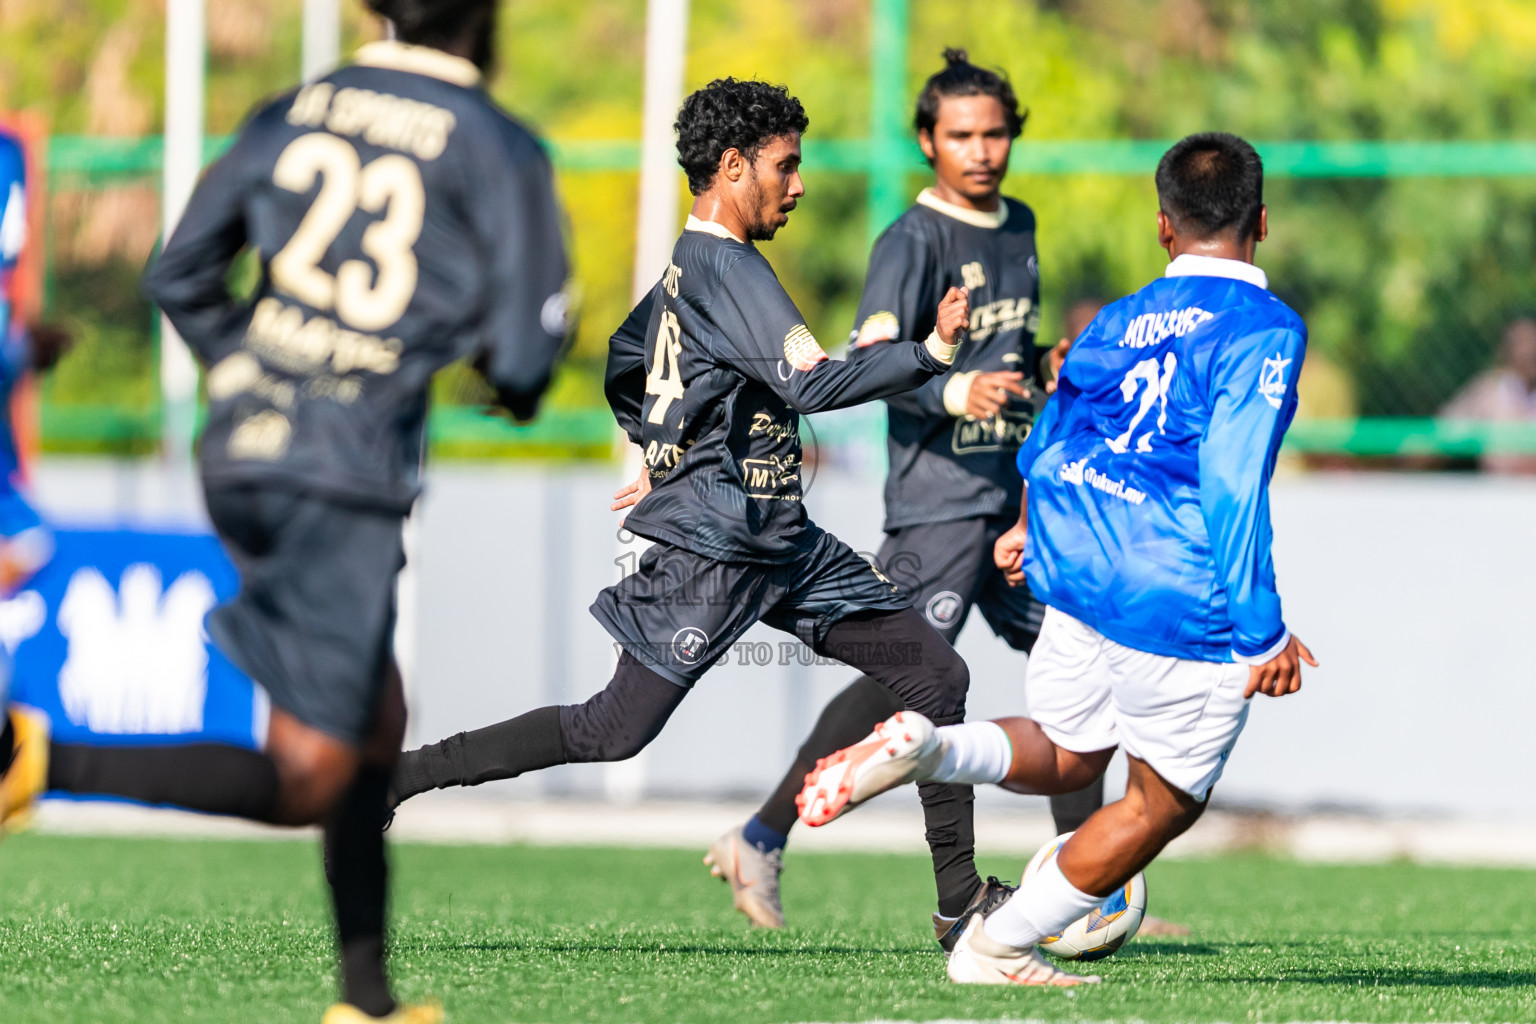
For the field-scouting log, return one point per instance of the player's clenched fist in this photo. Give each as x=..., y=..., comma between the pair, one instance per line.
x=954, y=316
x=1281, y=674
x=1008, y=553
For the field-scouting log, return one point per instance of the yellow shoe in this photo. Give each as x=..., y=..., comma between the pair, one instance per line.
x=25, y=779
x=405, y=1013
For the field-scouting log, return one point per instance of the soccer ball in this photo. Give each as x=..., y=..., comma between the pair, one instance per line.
x=1102, y=930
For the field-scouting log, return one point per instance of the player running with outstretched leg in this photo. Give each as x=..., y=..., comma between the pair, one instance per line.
x=402, y=221
x=953, y=487
x=1147, y=535
x=709, y=375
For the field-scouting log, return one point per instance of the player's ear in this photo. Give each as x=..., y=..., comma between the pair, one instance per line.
x=732, y=164
x=1262, y=231
x=1165, y=230
x=925, y=143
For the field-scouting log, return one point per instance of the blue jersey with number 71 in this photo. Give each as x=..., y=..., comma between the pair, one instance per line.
x=1148, y=472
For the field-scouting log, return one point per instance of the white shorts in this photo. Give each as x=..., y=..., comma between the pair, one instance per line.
x=1089, y=693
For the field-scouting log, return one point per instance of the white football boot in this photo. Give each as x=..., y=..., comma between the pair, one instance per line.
x=905, y=747
x=753, y=874
x=979, y=959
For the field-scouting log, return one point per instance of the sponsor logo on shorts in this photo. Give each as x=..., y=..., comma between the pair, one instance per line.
x=944, y=608
x=689, y=644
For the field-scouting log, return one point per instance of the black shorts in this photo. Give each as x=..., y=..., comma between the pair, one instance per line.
x=679, y=612
x=949, y=567
x=314, y=620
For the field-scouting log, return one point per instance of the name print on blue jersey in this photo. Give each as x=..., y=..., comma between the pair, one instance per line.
x=1154, y=328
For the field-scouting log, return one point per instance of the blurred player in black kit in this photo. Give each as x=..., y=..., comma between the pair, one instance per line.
x=953, y=487
x=402, y=221
x=709, y=375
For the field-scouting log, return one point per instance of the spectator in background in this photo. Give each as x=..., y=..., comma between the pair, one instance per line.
x=1504, y=394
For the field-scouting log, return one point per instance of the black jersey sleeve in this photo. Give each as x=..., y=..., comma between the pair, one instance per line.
x=525, y=325
x=763, y=335
x=624, y=380
x=900, y=300
x=189, y=279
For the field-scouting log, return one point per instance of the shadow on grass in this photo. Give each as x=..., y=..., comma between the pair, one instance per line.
x=1139, y=948
x=1402, y=977
x=655, y=949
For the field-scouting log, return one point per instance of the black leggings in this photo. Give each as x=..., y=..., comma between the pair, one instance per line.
x=897, y=649
x=900, y=650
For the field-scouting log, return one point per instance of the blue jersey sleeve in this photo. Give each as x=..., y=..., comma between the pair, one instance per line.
x=13, y=201
x=1253, y=383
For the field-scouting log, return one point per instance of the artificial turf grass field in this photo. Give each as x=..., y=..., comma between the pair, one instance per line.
x=128, y=930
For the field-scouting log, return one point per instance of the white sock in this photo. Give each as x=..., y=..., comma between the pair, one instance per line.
x=974, y=752
x=1044, y=905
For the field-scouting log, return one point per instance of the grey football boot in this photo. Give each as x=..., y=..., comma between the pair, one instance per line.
x=753, y=874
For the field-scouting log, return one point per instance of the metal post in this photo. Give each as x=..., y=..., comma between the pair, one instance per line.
x=666, y=50
x=666, y=47
x=322, y=37
x=185, y=55
x=890, y=26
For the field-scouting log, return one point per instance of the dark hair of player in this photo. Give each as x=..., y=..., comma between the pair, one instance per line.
x=962, y=78
x=1211, y=184
x=443, y=24
x=730, y=113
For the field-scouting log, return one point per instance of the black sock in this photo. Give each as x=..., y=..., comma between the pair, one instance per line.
x=501, y=751
x=1070, y=810
x=845, y=720
x=358, y=873
x=209, y=777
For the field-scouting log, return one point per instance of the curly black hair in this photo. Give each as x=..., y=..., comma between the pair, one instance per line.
x=730, y=113
x=962, y=78
x=435, y=23
x=1210, y=184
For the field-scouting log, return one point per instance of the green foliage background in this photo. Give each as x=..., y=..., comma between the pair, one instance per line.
x=1404, y=282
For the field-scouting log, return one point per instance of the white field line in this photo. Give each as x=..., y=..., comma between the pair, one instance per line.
x=888, y=825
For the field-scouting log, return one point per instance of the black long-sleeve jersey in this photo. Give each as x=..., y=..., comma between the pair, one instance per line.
x=402, y=221
x=943, y=464
x=708, y=375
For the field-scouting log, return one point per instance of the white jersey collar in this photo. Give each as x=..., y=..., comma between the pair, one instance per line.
x=418, y=60
x=1192, y=265
x=976, y=218
x=709, y=227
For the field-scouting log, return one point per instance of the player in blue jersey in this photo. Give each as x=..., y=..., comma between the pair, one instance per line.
x=26, y=544
x=1146, y=533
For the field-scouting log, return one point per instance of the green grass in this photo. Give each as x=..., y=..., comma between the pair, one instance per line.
x=149, y=930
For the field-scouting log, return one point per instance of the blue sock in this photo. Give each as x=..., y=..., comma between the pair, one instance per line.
x=763, y=837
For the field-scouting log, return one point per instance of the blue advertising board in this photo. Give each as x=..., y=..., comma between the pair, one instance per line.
x=108, y=640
